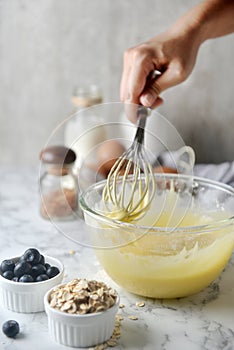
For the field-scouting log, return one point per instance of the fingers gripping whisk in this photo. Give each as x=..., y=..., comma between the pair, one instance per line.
x=130, y=185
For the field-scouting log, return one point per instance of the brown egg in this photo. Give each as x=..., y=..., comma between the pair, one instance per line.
x=109, y=150
x=164, y=169
x=105, y=168
x=131, y=169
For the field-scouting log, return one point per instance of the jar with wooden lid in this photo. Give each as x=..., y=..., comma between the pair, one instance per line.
x=58, y=184
x=85, y=128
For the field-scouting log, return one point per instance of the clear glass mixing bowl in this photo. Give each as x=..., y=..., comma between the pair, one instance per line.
x=178, y=248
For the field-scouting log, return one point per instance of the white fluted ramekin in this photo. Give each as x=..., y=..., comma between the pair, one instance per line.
x=28, y=297
x=80, y=330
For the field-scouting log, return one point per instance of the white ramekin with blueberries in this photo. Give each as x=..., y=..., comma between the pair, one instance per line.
x=25, y=279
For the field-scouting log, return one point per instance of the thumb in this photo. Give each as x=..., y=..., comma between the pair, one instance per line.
x=156, y=86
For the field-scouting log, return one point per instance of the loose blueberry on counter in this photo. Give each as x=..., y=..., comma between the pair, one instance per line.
x=10, y=328
x=7, y=265
x=52, y=271
x=37, y=270
x=26, y=279
x=32, y=256
x=41, y=278
x=8, y=275
x=22, y=268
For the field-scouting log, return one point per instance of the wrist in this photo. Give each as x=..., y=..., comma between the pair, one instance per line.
x=196, y=23
x=207, y=20
x=190, y=30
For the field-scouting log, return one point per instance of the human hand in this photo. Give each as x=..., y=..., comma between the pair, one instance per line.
x=172, y=53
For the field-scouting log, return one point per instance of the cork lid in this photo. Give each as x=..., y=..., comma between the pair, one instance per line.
x=59, y=155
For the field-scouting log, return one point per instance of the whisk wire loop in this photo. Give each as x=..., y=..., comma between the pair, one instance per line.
x=130, y=184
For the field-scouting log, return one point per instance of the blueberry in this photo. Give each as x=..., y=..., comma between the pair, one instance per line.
x=37, y=270
x=8, y=275
x=47, y=266
x=21, y=258
x=7, y=265
x=15, y=279
x=26, y=279
x=52, y=271
x=10, y=328
x=22, y=268
x=42, y=260
x=32, y=256
x=41, y=278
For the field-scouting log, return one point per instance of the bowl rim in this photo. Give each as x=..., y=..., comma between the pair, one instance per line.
x=3, y=279
x=65, y=314
x=213, y=226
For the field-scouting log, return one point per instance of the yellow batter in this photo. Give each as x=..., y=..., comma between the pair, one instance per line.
x=169, y=265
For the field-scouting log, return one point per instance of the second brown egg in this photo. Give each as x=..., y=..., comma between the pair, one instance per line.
x=107, y=154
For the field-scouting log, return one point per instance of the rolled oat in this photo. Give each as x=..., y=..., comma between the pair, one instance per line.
x=81, y=296
x=134, y=318
x=140, y=304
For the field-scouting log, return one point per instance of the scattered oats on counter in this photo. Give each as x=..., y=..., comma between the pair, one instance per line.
x=101, y=347
x=140, y=304
x=72, y=252
x=81, y=296
x=112, y=342
x=134, y=318
x=121, y=306
x=119, y=318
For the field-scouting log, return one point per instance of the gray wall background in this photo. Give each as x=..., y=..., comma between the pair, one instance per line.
x=48, y=46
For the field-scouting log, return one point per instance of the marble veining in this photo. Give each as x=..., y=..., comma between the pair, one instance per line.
x=202, y=321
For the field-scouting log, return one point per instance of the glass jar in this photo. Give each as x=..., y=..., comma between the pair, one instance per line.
x=84, y=97
x=85, y=129
x=58, y=184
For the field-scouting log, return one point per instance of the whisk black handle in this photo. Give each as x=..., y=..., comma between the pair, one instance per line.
x=142, y=114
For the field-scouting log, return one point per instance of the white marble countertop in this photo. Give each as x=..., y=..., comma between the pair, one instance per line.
x=202, y=321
